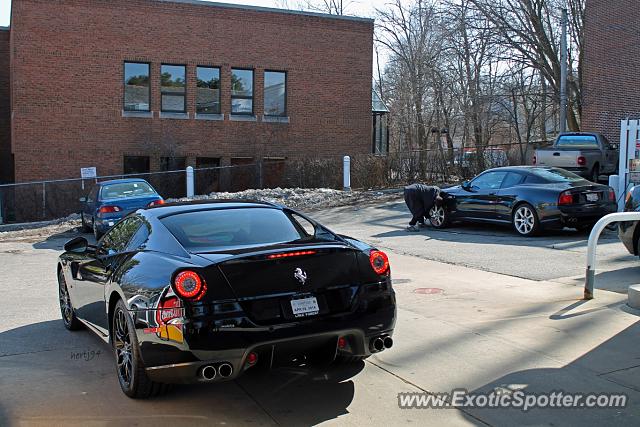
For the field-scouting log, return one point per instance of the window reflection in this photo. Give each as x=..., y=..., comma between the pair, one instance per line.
x=172, y=88
x=208, y=90
x=136, y=86
x=275, y=93
x=241, y=91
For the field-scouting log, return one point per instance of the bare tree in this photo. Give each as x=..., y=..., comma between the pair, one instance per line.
x=531, y=29
x=410, y=34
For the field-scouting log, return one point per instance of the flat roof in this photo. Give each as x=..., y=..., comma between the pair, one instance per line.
x=268, y=9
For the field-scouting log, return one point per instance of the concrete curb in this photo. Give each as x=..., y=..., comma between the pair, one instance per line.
x=633, y=298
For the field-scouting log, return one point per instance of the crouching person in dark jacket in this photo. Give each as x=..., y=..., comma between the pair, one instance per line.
x=420, y=199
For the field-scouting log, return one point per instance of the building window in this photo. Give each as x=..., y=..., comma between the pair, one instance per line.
x=136, y=164
x=137, y=91
x=173, y=88
x=275, y=93
x=241, y=91
x=208, y=91
x=173, y=163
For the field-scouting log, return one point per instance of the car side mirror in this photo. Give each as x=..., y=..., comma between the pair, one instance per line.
x=83, y=199
x=466, y=185
x=77, y=245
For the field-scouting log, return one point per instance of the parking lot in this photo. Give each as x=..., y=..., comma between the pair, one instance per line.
x=478, y=308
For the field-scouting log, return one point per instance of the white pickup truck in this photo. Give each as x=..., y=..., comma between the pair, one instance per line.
x=587, y=154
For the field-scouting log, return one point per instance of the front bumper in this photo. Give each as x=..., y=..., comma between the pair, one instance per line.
x=178, y=353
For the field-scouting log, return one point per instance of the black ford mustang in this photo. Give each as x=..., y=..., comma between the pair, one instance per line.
x=203, y=292
x=529, y=198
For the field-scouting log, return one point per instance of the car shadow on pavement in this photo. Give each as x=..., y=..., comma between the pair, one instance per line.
x=57, y=241
x=48, y=374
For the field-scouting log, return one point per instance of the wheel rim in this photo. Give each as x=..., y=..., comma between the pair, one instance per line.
x=524, y=220
x=122, y=344
x=436, y=215
x=65, y=300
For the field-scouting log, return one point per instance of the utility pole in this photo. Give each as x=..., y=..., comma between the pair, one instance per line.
x=563, y=70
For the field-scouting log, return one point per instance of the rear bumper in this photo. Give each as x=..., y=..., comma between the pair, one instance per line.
x=104, y=224
x=319, y=347
x=571, y=216
x=178, y=354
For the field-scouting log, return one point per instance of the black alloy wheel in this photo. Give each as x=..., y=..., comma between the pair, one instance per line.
x=69, y=318
x=132, y=377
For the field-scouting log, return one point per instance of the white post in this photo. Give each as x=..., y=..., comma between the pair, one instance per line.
x=347, y=173
x=190, y=182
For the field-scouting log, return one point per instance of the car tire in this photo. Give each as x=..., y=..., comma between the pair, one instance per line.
x=439, y=217
x=67, y=311
x=85, y=226
x=525, y=220
x=97, y=234
x=132, y=376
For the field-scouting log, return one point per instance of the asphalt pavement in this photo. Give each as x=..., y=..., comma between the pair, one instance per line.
x=553, y=255
x=500, y=313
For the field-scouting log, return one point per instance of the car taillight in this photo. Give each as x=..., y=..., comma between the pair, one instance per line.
x=379, y=262
x=188, y=285
x=612, y=195
x=156, y=203
x=566, y=198
x=535, y=160
x=109, y=209
x=582, y=161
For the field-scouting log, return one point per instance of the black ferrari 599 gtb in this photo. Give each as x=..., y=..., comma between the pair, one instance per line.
x=202, y=292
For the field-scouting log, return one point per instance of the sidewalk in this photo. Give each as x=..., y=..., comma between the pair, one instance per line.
x=486, y=330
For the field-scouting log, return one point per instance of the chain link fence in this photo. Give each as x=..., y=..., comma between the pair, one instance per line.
x=45, y=200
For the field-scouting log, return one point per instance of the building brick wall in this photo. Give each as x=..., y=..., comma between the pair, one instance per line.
x=6, y=162
x=67, y=83
x=611, y=87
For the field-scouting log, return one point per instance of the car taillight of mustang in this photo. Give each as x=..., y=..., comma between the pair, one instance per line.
x=201, y=292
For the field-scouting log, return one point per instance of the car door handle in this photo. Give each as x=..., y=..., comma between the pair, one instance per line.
x=556, y=154
x=492, y=194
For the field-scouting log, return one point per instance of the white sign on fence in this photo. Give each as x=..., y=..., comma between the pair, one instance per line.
x=89, y=173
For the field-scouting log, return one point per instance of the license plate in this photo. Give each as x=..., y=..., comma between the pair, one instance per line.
x=592, y=197
x=304, y=307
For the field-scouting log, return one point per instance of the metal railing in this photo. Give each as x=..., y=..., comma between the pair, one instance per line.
x=590, y=278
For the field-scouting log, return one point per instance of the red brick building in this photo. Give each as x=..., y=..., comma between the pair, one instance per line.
x=6, y=161
x=611, y=80
x=147, y=85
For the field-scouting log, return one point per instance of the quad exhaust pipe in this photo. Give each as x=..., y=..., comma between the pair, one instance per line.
x=380, y=343
x=225, y=370
x=209, y=372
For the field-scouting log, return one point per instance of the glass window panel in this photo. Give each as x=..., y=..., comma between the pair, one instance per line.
x=242, y=106
x=208, y=90
x=275, y=93
x=242, y=82
x=172, y=77
x=136, y=86
x=172, y=102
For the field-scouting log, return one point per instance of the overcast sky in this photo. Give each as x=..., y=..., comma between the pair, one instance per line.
x=364, y=8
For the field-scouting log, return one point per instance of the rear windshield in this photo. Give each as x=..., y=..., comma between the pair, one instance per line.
x=126, y=189
x=577, y=141
x=225, y=228
x=555, y=175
